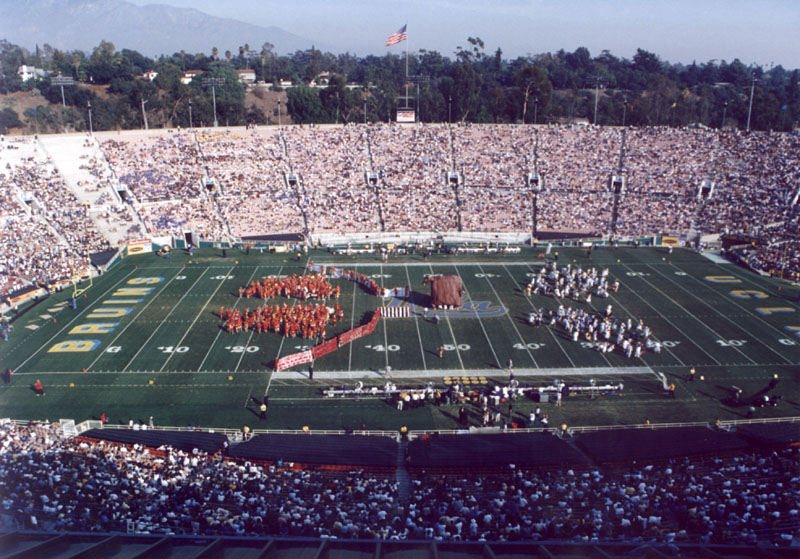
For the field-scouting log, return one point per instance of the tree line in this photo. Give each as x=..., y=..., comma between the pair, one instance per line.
x=472, y=85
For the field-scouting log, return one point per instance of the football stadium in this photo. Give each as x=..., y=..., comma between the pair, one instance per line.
x=397, y=340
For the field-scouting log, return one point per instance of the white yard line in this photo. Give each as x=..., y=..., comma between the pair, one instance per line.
x=452, y=334
x=689, y=314
x=416, y=324
x=731, y=300
x=132, y=321
x=549, y=330
x=153, y=333
x=200, y=312
x=510, y=318
x=68, y=324
x=219, y=332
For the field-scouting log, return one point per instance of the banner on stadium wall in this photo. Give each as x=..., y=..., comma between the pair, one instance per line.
x=294, y=359
x=26, y=295
x=140, y=246
x=669, y=241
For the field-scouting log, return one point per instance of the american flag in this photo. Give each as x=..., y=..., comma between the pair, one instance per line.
x=397, y=37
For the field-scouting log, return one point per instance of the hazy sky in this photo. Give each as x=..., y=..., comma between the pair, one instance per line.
x=761, y=31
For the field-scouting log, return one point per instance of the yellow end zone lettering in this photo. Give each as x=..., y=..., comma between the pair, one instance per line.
x=771, y=310
x=723, y=279
x=76, y=346
x=132, y=291
x=749, y=294
x=97, y=328
x=144, y=281
x=108, y=312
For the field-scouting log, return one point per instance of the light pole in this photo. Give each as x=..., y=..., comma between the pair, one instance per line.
x=750, y=109
x=144, y=114
x=624, y=110
x=279, y=113
x=214, y=82
x=724, y=112
x=449, y=109
x=61, y=81
x=190, y=114
x=596, y=97
x=89, y=104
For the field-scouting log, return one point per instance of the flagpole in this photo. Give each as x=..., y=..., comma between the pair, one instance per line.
x=406, y=26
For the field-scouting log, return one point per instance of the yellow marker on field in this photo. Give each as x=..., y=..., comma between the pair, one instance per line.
x=230, y=377
x=236, y=262
x=72, y=385
x=150, y=382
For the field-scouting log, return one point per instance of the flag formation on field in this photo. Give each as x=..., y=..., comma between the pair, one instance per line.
x=397, y=37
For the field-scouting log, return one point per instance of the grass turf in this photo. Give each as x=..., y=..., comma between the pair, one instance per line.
x=167, y=356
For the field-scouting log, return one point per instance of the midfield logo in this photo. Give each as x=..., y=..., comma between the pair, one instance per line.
x=469, y=309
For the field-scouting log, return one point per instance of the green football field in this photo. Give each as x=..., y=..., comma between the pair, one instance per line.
x=146, y=340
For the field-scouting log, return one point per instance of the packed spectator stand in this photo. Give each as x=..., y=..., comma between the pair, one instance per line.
x=311, y=180
x=85, y=484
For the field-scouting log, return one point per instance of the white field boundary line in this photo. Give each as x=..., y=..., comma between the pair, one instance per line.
x=156, y=329
x=202, y=310
x=352, y=265
x=691, y=315
x=68, y=324
x=510, y=318
x=219, y=332
x=549, y=330
x=132, y=321
x=477, y=373
x=678, y=331
x=748, y=333
x=450, y=372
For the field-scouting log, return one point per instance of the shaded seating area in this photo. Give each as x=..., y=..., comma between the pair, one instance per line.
x=781, y=434
x=321, y=450
x=187, y=441
x=491, y=452
x=625, y=445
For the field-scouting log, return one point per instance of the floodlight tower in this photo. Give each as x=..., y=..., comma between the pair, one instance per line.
x=617, y=186
x=535, y=183
x=61, y=81
x=214, y=82
x=750, y=108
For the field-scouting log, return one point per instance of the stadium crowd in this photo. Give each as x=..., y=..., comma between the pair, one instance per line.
x=54, y=483
x=225, y=185
x=46, y=234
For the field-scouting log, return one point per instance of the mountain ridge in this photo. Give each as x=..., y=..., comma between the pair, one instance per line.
x=153, y=29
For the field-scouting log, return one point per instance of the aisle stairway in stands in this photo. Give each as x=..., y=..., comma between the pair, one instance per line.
x=402, y=477
x=71, y=154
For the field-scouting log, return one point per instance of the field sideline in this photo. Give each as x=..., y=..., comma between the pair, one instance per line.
x=165, y=355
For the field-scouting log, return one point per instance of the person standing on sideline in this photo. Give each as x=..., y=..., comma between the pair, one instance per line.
x=671, y=390
x=441, y=351
x=388, y=373
x=38, y=388
x=263, y=411
x=692, y=372
x=311, y=372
